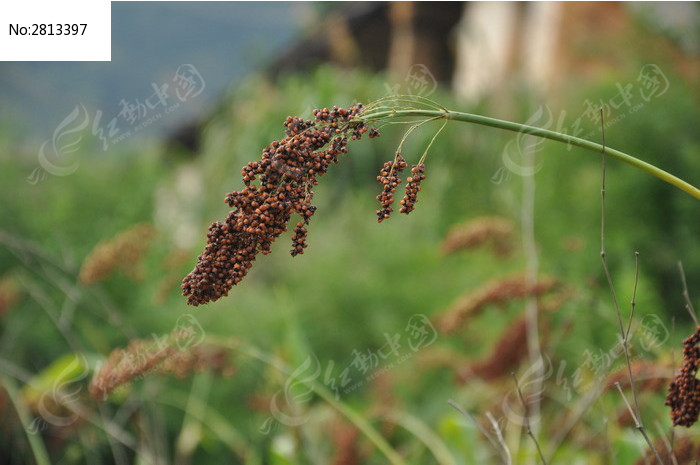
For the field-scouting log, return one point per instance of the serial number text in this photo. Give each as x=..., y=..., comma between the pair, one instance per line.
x=58, y=29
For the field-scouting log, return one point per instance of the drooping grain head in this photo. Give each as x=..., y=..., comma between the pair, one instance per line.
x=277, y=186
x=684, y=391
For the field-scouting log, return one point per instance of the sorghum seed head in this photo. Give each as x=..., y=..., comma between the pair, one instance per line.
x=684, y=391
x=124, y=252
x=389, y=178
x=412, y=187
x=285, y=174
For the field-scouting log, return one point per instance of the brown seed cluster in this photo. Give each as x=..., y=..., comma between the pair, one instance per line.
x=124, y=365
x=124, y=252
x=684, y=391
x=183, y=363
x=284, y=178
x=390, y=180
x=298, y=239
x=412, y=187
x=492, y=231
x=505, y=357
x=648, y=376
x=164, y=357
x=495, y=292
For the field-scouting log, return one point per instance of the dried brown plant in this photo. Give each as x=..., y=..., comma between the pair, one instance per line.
x=495, y=292
x=507, y=353
x=124, y=365
x=684, y=391
x=685, y=451
x=648, y=376
x=124, y=252
x=157, y=356
x=276, y=187
x=492, y=231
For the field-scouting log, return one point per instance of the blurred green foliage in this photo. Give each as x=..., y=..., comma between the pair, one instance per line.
x=358, y=281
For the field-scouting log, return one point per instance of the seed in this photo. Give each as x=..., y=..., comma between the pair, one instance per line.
x=684, y=391
x=412, y=188
x=389, y=177
x=285, y=174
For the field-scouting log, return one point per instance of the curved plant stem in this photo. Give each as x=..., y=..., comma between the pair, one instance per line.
x=539, y=132
x=36, y=444
x=527, y=420
x=423, y=433
x=360, y=423
x=323, y=392
x=479, y=426
x=214, y=421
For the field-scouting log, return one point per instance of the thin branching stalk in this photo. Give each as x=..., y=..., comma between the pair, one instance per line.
x=526, y=417
x=478, y=425
x=425, y=153
x=633, y=303
x=499, y=436
x=411, y=129
x=384, y=114
x=608, y=443
x=667, y=444
x=638, y=424
x=527, y=215
x=623, y=334
x=579, y=411
x=686, y=295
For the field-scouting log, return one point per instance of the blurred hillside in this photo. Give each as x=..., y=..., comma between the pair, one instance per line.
x=149, y=41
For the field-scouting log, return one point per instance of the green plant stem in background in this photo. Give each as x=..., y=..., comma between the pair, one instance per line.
x=534, y=131
x=324, y=393
x=36, y=443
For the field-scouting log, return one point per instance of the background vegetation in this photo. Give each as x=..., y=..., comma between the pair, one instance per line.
x=357, y=283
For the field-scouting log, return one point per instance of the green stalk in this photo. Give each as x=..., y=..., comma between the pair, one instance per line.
x=35, y=441
x=360, y=423
x=534, y=131
x=323, y=392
